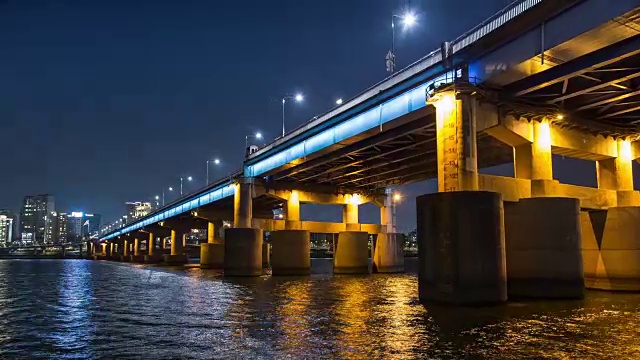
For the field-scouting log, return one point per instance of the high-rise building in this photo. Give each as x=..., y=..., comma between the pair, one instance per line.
x=7, y=228
x=61, y=225
x=81, y=225
x=137, y=209
x=36, y=220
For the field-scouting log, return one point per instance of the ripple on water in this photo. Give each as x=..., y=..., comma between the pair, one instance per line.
x=86, y=309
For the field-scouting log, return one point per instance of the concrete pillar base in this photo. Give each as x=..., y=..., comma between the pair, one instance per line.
x=543, y=247
x=388, y=255
x=212, y=255
x=174, y=260
x=266, y=255
x=153, y=259
x=461, y=248
x=242, y=252
x=611, y=248
x=351, y=253
x=136, y=258
x=291, y=252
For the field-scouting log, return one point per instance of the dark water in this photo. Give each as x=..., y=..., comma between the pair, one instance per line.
x=89, y=309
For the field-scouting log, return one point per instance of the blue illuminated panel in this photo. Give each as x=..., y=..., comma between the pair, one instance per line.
x=206, y=198
x=403, y=104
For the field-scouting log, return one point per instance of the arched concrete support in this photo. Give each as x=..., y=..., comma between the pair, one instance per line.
x=461, y=247
x=243, y=252
x=543, y=247
x=176, y=257
x=388, y=255
x=212, y=253
x=611, y=248
x=351, y=253
x=291, y=252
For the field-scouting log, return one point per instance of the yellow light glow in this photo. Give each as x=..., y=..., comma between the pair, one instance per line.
x=560, y=117
x=624, y=150
x=397, y=197
x=354, y=199
x=542, y=133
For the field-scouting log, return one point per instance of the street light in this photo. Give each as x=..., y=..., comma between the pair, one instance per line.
x=170, y=189
x=257, y=135
x=339, y=102
x=157, y=200
x=216, y=162
x=297, y=98
x=408, y=20
x=189, y=178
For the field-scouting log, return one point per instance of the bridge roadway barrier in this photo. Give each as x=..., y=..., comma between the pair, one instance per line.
x=461, y=247
x=611, y=248
x=351, y=254
x=243, y=252
x=543, y=248
x=388, y=256
x=291, y=251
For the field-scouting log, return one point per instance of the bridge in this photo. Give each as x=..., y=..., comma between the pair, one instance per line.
x=541, y=77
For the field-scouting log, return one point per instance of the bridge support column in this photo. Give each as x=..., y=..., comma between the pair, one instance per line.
x=292, y=211
x=611, y=248
x=151, y=257
x=112, y=251
x=242, y=204
x=350, y=214
x=461, y=247
x=291, y=252
x=243, y=252
x=460, y=230
x=125, y=251
x=617, y=174
x=543, y=248
x=351, y=253
x=388, y=254
x=212, y=252
x=176, y=257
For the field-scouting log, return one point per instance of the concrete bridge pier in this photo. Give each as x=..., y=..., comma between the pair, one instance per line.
x=351, y=253
x=543, y=247
x=152, y=256
x=176, y=257
x=125, y=250
x=243, y=244
x=291, y=252
x=460, y=230
x=388, y=254
x=212, y=252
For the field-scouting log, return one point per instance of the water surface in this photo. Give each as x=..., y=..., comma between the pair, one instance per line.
x=89, y=309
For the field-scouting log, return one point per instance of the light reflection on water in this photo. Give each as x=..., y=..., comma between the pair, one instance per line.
x=86, y=309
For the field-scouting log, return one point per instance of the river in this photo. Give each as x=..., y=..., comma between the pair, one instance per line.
x=79, y=309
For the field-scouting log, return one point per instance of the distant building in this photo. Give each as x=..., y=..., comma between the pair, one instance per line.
x=36, y=220
x=81, y=225
x=7, y=228
x=61, y=228
x=137, y=209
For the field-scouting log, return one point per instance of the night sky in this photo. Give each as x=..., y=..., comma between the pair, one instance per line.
x=103, y=102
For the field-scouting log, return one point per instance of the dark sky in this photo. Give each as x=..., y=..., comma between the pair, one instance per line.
x=103, y=102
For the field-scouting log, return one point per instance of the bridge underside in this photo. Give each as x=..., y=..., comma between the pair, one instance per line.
x=405, y=154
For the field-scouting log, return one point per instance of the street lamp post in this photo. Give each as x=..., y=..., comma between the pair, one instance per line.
x=215, y=161
x=408, y=19
x=297, y=98
x=189, y=178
